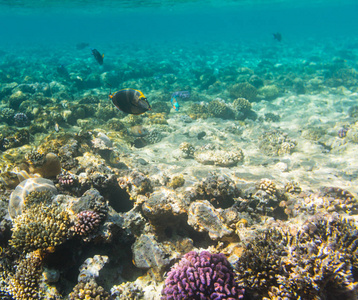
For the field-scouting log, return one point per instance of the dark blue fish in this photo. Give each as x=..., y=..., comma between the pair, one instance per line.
x=130, y=101
x=98, y=56
x=277, y=36
x=61, y=70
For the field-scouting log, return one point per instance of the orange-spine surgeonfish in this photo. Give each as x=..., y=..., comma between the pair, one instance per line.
x=98, y=56
x=130, y=101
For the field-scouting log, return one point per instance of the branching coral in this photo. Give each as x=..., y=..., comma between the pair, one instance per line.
x=24, y=284
x=40, y=227
x=316, y=263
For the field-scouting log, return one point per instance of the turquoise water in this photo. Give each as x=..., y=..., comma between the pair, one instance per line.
x=117, y=22
x=259, y=108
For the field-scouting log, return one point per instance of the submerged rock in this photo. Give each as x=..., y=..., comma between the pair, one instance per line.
x=204, y=217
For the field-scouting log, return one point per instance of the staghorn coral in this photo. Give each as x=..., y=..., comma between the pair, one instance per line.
x=292, y=187
x=24, y=284
x=316, y=262
x=202, y=276
x=88, y=290
x=41, y=226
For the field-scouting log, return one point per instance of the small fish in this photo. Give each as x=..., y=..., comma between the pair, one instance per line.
x=130, y=101
x=61, y=70
x=174, y=103
x=98, y=56
x=81, y=46
x=138, y=131
x=57, y=127
x=277, y=36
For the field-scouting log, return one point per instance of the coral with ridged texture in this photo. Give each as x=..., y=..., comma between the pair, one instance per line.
x=24, y=284
x=40, y=227
x=86, y=223
x=202, y=276
x=88, y=290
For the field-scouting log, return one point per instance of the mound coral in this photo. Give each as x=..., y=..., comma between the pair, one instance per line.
x=243, y=90
x=27, y=186
x=47, y=166
x=318, y=262
x=202, y=276
x=41, y=226
x=88, y=290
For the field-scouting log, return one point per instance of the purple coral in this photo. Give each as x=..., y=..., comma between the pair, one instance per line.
x=66, y=179
x=202, y=276
x=87, y=222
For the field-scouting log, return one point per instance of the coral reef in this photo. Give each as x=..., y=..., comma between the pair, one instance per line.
x=47, y=166
x=25, y=187
x=88, y=290
x=40, y=226
x=86, y=223
x=243, y=90
x=311, y=263
x=276, y=142
x=202, y=276
x=219, y=157
x=24, y=284
x=127, y=290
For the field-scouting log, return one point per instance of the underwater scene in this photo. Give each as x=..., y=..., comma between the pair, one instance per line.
x=172, y=150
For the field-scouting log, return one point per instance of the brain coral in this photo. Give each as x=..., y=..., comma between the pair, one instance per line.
x=27, y=186
x=202, y=276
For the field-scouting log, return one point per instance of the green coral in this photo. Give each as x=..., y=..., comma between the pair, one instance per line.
x=321, y=259
x=241, y=104
x=217, y=108
x=269, y=92
x=198, y=110
x=243, y=90
x=177, y=181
